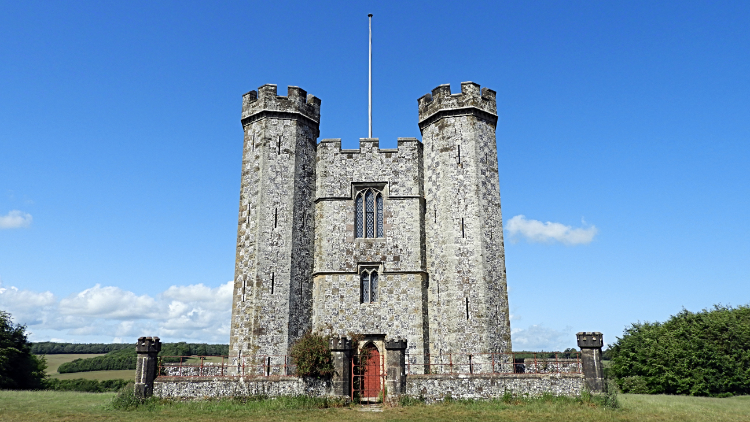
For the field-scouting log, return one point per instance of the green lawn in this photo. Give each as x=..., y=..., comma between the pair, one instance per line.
x=54, y=406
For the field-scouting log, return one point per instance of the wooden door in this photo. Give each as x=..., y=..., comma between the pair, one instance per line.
x=372, y=379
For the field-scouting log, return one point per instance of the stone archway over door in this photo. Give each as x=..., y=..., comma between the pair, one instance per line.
x=372, y=383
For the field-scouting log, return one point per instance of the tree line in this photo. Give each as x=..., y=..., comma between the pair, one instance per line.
x=52, y=348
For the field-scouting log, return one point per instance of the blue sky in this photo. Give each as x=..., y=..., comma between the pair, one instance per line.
x=625, y=125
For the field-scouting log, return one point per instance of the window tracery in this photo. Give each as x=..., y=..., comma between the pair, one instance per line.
x=368, y=213
x=369, y=285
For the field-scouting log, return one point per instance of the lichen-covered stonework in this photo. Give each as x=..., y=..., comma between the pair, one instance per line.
x=440, y=261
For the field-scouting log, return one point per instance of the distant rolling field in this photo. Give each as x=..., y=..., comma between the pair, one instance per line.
x=54, y=362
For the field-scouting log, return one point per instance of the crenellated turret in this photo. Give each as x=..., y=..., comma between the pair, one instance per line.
x=272, y=290
x=468, y=299
x=297, y=101
x=442, y=102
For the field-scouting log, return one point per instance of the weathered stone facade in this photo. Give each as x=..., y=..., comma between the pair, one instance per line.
x=440, y=258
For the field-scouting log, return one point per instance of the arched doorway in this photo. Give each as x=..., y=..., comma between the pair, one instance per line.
x=372, y=381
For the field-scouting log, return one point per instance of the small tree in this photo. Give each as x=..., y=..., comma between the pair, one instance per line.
x=312, y=354
x=19, y=369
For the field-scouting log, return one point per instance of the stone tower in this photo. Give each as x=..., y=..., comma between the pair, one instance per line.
x=468, y=298
x=272, y=304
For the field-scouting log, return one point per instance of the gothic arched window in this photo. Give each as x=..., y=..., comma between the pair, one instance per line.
x=368, y=213
x=369, y=285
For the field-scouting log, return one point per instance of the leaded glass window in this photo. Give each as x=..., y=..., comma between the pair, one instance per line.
x=380, y=215
x=369, y=285
x=358, y=215
x=370, y=210
x=368, y=213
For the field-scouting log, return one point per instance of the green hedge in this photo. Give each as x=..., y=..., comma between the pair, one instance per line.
x=90, y=386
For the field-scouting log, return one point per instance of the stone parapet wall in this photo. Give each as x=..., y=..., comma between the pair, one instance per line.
x=431, y=388
x=217, y=387
x=434, y=388
x=543, y=366
x=207, y=369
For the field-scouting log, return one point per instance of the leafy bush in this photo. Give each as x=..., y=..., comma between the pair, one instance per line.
x=19, y=368
x=312, y=354
x=705, y=353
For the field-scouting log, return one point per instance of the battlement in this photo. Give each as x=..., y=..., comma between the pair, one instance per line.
x=471, y=96
x=266, y=99
x=371, y=144
x=588, y=340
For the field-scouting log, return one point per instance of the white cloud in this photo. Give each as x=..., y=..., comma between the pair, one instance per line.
x=15, y=219
x=195, y=313
x=109, y=303
x=537, y=231
x=538, y=338
x=27, y=306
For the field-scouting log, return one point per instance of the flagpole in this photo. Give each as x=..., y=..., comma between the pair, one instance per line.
x=369, y=107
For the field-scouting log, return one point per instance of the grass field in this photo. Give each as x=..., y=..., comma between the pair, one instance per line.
x=52, y=406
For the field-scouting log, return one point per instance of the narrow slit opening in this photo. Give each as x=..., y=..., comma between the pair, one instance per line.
x=275, y=217
x=273, y=282
x=467, y=308
x=462, y=228
x=278, y=146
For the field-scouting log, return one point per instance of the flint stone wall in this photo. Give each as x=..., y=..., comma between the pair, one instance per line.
x=434, y=388
x=217, y=387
